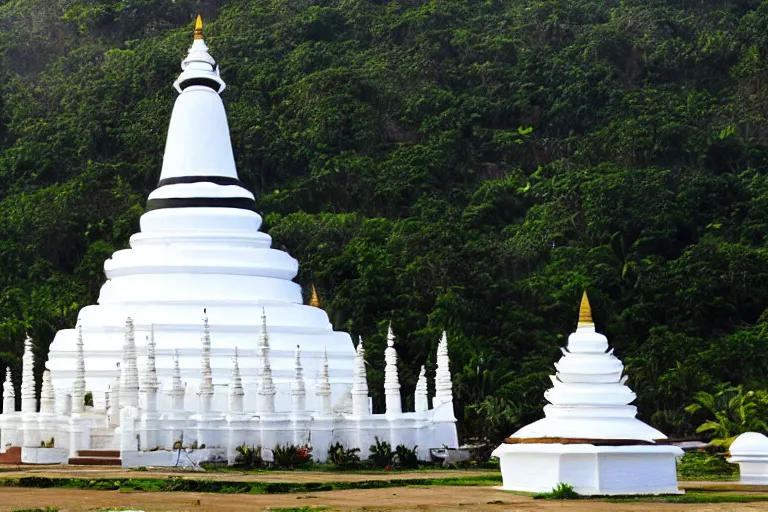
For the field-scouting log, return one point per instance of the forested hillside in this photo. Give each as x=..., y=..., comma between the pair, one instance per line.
x=449, y=164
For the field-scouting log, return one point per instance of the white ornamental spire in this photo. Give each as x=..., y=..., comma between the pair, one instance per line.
x=420, y=400
x=9, y=394
x=78, y=386
x=47, y=395
x=298, y=389
x=28, y=399
x=129, y=373
x=149, y=383
x=359, y=382
x=236, y=391
x=198, y=164
x=206, y=375
x=443, y=384
x=177, y=389
x=391, y=379
x=267, y=391
x=324, y=388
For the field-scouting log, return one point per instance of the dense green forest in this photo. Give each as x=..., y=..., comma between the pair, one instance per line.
x=448, y=164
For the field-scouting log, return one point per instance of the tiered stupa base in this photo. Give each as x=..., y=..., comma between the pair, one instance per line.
x=589, y=438
x=590, y=469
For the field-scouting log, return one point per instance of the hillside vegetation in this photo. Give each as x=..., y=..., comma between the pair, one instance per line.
x=448, y=164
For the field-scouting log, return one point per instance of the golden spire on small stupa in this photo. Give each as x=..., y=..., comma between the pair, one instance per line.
x=585, y=312
x=199, y=27
x=314, y=301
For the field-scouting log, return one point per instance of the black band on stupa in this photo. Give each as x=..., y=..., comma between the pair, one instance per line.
x=244, y=203
x=217, y=180
x=207, y=82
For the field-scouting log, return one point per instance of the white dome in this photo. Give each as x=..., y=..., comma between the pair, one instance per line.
x=750, y=443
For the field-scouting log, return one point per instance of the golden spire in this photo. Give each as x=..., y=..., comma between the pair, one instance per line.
x=315, y=300
x=585, y=312
x=199, y=27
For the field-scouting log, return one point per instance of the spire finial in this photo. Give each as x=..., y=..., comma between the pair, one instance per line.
x=585, y=312
x=314, y=301
x=199, y=27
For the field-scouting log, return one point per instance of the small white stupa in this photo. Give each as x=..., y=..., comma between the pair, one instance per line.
x=750, y=452
x=589, y=437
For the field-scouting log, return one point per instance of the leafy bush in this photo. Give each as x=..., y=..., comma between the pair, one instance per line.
x=381, y=454
x=342, y=457
x=405, y=457
x=731, y=412
x=702, y=466
x=562, y=491
x=289, y=456
x=249, y=456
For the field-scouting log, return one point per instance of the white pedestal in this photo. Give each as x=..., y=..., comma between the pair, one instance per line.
x=591, y=470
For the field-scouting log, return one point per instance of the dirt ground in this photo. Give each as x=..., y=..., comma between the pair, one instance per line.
x=397, y=499
x=421, y=499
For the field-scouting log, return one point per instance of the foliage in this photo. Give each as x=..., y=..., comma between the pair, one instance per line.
x=249, y=456
x=381, y=453
x=344, y=458
x=88, y=399
x=467, y=166
x=561, y=491
x=702, y=466
x=405, y=457
x=178, y=484
x=732, y=411
x=289, y=456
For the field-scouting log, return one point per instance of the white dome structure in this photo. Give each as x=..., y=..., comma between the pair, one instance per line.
x=750, y=452
x=199, y=248
x=589, y=437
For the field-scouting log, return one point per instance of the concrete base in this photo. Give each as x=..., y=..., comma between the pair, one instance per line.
x=753, y=470
x=44, y=455
x=591, y=470
x=164, y=458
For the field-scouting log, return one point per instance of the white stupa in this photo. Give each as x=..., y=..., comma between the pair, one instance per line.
x=589, y=437
x=200, y=247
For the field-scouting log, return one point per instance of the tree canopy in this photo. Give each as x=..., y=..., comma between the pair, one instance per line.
x=467, y=165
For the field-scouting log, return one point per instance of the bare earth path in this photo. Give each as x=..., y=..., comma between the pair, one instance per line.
x=481, y=499
x=398, y=499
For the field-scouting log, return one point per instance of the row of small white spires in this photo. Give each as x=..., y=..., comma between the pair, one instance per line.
x=143, y=392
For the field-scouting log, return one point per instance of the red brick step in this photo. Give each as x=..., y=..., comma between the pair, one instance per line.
x=96, y=458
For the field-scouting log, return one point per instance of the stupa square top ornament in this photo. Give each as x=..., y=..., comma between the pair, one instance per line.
x=589, y=436
x=199, y=246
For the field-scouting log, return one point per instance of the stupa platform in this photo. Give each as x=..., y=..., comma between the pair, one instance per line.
x=589, y=468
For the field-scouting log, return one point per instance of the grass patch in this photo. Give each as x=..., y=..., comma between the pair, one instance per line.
x=690, y=497
x=702, y=466
x=176, y=484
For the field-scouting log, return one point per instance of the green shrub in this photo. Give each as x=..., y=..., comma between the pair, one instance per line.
x=562, y=491
x=343, y=458
x=290, y=456
x=405, y=457
x=249, y=457
x=381, y=454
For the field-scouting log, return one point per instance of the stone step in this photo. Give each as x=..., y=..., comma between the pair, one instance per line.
x=11, y=456
x=111, y=454
x=94, y=461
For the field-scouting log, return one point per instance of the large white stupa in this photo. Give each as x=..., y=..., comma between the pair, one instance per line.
x=589, y=437
x=200, y=248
